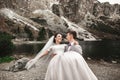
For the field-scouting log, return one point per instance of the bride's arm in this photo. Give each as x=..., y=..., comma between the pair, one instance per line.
x=33, y=61
x=45, y=53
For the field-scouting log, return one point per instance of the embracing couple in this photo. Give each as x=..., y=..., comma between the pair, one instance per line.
x=67, y=62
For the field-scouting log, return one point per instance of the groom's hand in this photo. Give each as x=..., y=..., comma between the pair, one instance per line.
x=76, y=43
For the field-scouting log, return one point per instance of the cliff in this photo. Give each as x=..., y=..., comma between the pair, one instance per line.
x=90, y=18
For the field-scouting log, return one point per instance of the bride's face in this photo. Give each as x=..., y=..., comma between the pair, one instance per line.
x=58, y=38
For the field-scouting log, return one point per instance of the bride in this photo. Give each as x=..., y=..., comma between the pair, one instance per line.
x=67, y=62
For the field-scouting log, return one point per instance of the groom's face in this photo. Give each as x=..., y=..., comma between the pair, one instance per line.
x=69, y=36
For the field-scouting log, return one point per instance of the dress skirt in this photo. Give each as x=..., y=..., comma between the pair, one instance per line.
x=69, y=66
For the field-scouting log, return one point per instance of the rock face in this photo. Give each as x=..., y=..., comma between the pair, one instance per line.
x=75, y=10
x=53, y=22
x=16, y=24
x=100, y=19
x=105, y=22
x=105, y=9
x=42, y=22
x=25, y=7
x=27, y=12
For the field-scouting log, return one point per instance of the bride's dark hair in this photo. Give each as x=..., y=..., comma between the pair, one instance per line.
x=56, y=36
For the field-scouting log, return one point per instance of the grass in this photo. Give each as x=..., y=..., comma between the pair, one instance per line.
x=6, y=59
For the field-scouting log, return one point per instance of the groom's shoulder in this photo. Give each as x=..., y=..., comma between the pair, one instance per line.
x=76, y=43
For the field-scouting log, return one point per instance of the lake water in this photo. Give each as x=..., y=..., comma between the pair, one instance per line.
x=93, y=49
x=101, y=49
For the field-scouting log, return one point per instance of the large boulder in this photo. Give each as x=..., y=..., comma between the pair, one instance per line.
x=52, y=21
x=19, y=65
x=16, y=24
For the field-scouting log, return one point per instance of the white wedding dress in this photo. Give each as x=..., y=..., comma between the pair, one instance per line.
x=68, y=65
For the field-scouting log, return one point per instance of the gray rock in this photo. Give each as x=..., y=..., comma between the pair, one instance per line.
x=19, y=65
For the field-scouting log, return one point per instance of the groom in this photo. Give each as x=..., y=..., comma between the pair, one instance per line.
x=73, y=44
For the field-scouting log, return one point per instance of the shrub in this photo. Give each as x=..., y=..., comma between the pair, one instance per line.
x=6, y=59
x=6, y=46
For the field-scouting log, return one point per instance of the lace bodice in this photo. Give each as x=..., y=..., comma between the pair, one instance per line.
x=57, y=49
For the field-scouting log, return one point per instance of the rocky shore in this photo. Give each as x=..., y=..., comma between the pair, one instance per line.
x=103, y=70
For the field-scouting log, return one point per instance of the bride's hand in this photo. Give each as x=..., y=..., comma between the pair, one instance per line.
x=31, y=60
x=30, y=64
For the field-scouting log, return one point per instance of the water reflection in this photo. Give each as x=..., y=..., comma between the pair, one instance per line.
x=101, y=49
x=93, y=49
x=28, y=49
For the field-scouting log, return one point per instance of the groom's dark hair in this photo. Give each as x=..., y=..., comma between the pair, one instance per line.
x=73, y=33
